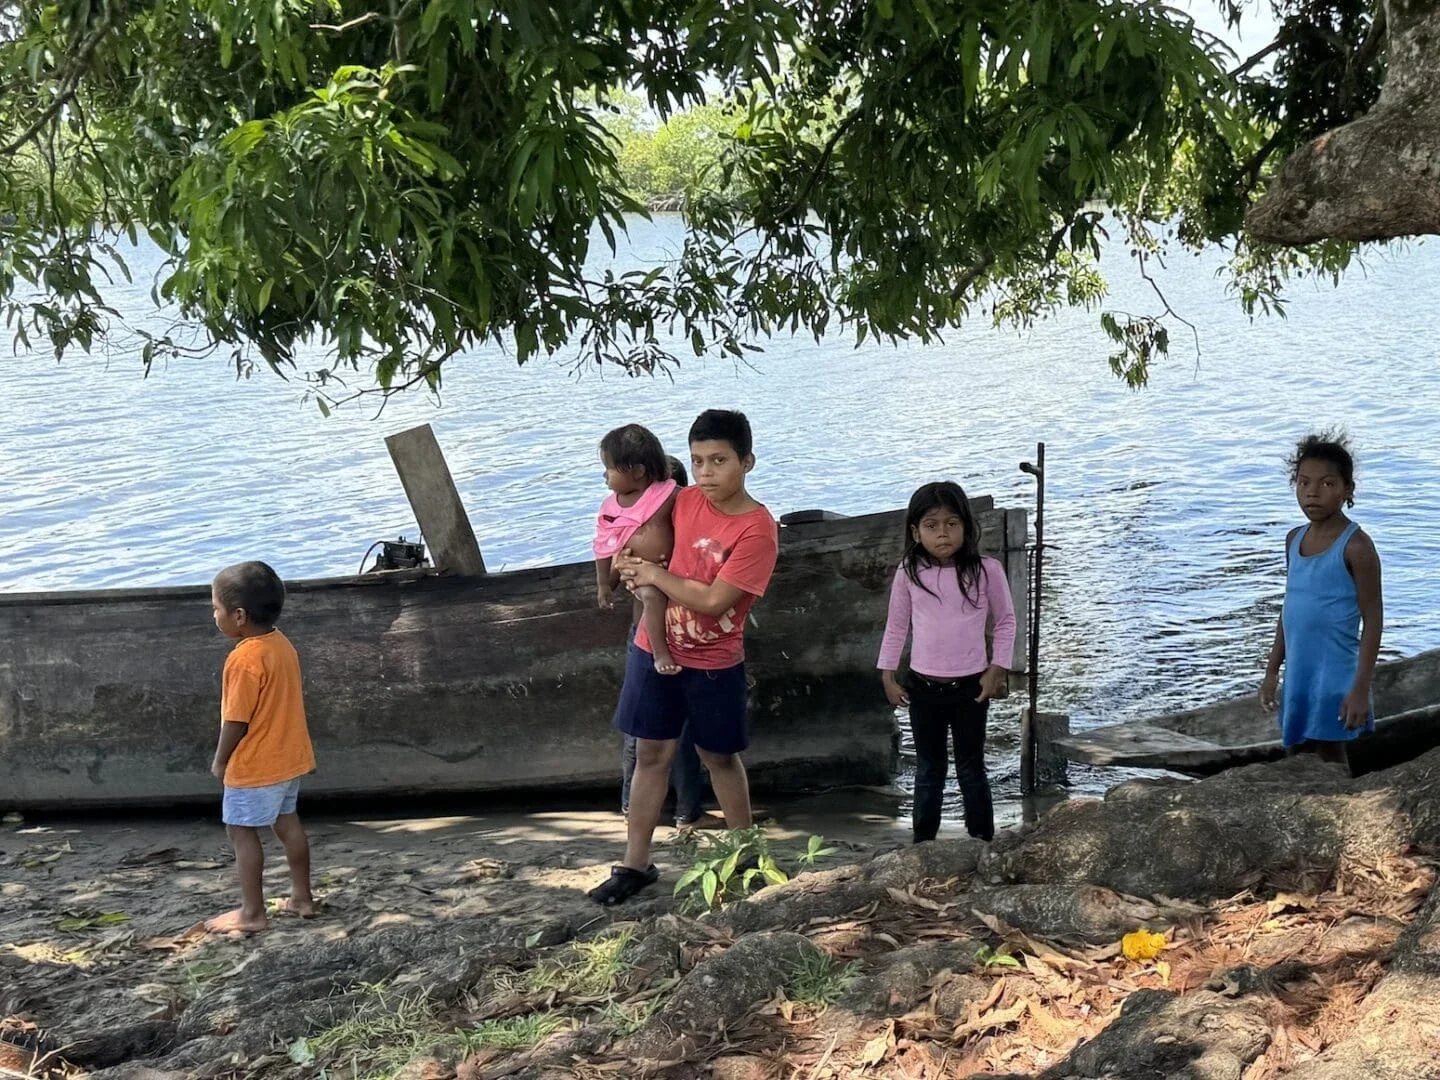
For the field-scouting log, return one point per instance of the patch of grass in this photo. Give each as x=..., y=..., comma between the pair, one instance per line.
x=387, y=1030
x=626, y=1018
x=514, y=1033
x=818, y=980
x=384, y=1032
x=593, y=968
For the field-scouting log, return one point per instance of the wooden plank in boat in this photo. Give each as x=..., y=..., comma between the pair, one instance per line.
x=1139, y=745
x=436, y=501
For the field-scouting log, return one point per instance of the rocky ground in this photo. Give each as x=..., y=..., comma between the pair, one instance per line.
x=1297, y=937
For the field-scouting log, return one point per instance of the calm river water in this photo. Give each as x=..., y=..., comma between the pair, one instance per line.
x=1167, y=507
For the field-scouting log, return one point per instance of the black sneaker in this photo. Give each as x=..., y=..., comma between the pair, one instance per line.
x=622, y=884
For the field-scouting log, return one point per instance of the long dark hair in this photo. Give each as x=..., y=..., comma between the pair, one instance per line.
x=943, y=495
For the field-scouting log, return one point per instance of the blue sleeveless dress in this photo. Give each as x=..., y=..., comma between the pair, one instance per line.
x=1322, y=643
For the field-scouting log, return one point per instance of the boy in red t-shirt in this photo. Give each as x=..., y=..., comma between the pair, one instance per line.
x=725, y=549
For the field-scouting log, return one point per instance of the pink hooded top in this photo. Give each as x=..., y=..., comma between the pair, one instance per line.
x=617, y=524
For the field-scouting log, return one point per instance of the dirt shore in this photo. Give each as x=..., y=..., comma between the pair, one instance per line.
x=100, y=918
x=1276, y=921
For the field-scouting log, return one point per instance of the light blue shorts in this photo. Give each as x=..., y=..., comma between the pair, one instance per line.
x=258, y=807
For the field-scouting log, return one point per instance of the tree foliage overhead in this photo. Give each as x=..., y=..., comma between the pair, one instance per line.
x=376, y=187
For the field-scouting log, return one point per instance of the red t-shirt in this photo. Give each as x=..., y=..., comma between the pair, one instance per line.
x=739, y=549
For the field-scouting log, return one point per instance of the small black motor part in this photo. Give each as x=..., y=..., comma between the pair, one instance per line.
x=399, y=554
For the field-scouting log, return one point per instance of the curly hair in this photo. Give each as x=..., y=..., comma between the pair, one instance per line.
x=1332, y=447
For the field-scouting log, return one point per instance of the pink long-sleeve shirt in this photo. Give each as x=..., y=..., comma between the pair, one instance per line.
x=947, y=630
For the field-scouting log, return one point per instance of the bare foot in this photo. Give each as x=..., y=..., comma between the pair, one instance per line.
x=236, y=922
x=293, y=906
x=664, y=664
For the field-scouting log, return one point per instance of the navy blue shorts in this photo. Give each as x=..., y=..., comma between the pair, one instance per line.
x=655, y=706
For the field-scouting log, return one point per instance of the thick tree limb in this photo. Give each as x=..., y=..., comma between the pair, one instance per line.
x=1377, y=177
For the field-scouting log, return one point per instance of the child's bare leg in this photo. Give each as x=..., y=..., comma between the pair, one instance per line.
x=297, y=855
x=249, y=917
x=655, y=602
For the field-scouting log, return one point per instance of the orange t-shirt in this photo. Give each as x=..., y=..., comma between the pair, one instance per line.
x=261, y=687
x=739, y=549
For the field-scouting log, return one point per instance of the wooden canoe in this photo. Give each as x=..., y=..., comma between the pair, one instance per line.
x=423, y=683
x=1238, y=732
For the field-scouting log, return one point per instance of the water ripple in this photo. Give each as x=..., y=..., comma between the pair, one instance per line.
x=1168, y=507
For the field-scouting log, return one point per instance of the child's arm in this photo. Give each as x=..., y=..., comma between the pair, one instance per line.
x=230, y=735
x=604, y=582
x=1002, y=612
x=746, y=572
x=897, y=629
x=714, y=599
x=1271, y=682
x=1364, y=563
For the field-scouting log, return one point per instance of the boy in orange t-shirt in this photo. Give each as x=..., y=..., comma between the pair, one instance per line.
x=264, y=744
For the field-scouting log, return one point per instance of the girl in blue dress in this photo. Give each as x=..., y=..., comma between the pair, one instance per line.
x=1328, y=636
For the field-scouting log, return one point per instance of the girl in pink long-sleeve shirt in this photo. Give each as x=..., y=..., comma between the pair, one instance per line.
x=945, y=598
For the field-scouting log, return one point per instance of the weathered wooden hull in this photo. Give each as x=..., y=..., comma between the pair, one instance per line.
x=418, y=683
x=1204, y=741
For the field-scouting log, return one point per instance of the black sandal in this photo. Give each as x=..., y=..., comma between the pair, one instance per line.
x=622, y=884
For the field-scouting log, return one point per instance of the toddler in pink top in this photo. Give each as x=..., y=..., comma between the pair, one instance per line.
x=635, y=518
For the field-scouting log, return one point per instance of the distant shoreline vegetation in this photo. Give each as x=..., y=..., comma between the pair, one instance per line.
x=662, y=161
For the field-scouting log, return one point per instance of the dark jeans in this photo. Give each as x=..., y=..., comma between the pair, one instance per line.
x=939, y=712
x=686, y=779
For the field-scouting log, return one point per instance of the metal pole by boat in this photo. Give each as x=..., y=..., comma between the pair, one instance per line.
x=1029, y=717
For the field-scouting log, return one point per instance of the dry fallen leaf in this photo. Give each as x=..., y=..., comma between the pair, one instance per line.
x=995, y=1018
x=912, y=900
x=1052, y=1024
x=879, y=1048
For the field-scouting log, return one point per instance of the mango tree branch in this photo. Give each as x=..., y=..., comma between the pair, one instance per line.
x=66, y=88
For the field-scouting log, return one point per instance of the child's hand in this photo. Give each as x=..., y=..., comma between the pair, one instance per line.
x=604, y=598
x=217, y=770
x=1268, y=687
x=992, y=683
x=894, y=692
x=636, y=573
x=1355, y=709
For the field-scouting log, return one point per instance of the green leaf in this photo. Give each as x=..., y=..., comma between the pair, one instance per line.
x=437, y=77
x=709, y=885
x=1040, y=46
x=688, y=878
x=531, y=940
x=727, y=870
x=1108, y=37
x=300, y=1052
x=970, y=62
